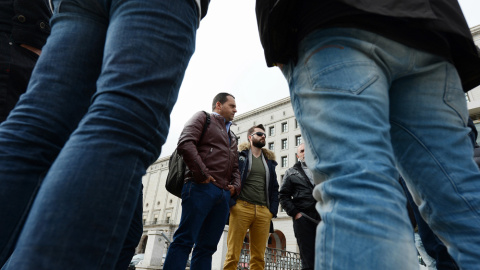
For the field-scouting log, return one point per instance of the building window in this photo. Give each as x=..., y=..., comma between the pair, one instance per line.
x=284, y=127
x=271, y=146
x=298, y=140
x=155, y=220
x=271, y=131
x=284, y=161
x=284, y=144
x=296, y=123
x=169, y=215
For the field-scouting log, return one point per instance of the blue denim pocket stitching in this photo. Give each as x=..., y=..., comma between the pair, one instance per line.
x=356, y=88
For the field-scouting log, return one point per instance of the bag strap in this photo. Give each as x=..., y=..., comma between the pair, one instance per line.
x=207, y=122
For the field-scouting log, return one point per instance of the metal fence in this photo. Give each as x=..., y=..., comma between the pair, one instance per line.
x=275, y=259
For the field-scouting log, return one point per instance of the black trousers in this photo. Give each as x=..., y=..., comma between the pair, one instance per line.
x=16, y=65
x=305, y=232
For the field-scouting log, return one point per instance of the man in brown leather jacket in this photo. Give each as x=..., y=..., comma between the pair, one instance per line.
x=211, y=178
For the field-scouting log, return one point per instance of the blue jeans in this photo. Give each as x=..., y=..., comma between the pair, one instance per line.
x=430, y=242
x=94, y=117
x=205, y=209
x=133, y=237
x=367, y=105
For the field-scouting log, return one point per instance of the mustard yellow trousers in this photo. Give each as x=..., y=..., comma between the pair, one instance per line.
x=256, y=219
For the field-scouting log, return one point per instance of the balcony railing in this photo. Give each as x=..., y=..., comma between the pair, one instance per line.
x=275, y=259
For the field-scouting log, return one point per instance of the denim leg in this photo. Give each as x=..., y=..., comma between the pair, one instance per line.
x=204, y=214
x=430, y=242
x=434, y=153
x=81, y=214
x=45, y=116
x=133, y=236
x=211, y=231
x=340, y=98
x=346, y=88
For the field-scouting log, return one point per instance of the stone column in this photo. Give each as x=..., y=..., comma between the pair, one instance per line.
x=219, y=256
x=153, y=252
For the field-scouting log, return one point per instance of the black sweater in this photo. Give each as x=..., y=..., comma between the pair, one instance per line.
x=435, y=26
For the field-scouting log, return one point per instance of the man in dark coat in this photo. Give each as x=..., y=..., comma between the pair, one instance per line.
x=297, y=200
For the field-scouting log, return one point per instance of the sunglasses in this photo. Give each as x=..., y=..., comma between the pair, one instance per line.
x=259, y=134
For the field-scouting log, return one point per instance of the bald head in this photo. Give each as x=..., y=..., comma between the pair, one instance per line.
x=301, y=152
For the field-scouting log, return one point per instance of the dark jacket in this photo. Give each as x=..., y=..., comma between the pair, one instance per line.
x=204, y=5
x=26, y=21
x=215, y=155
x=296, y=193
x=445, y=16
x=272, y=183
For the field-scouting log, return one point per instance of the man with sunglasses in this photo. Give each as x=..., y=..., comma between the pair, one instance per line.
x=257, y=202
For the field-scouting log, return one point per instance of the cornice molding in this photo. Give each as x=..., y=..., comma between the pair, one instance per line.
x=157, y=165
x=258, y=110
x=475, y=30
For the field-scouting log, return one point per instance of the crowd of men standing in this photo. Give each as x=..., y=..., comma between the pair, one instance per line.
x=240, y=188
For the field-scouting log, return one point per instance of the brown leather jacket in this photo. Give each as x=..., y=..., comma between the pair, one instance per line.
x=214, y=155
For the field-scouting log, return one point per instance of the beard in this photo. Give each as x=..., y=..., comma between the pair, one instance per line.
x=258, y=144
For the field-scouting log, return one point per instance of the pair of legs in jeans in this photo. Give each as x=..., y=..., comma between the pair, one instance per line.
x=205, y=209
x=368, y=105
x=94, y=117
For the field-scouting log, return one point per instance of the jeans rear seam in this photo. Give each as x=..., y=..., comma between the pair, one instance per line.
x=438, y=164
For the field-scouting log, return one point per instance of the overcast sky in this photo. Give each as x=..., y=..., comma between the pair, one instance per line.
x=229, y=58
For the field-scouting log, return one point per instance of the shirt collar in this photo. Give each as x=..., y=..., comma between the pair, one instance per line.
x=227, y=124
